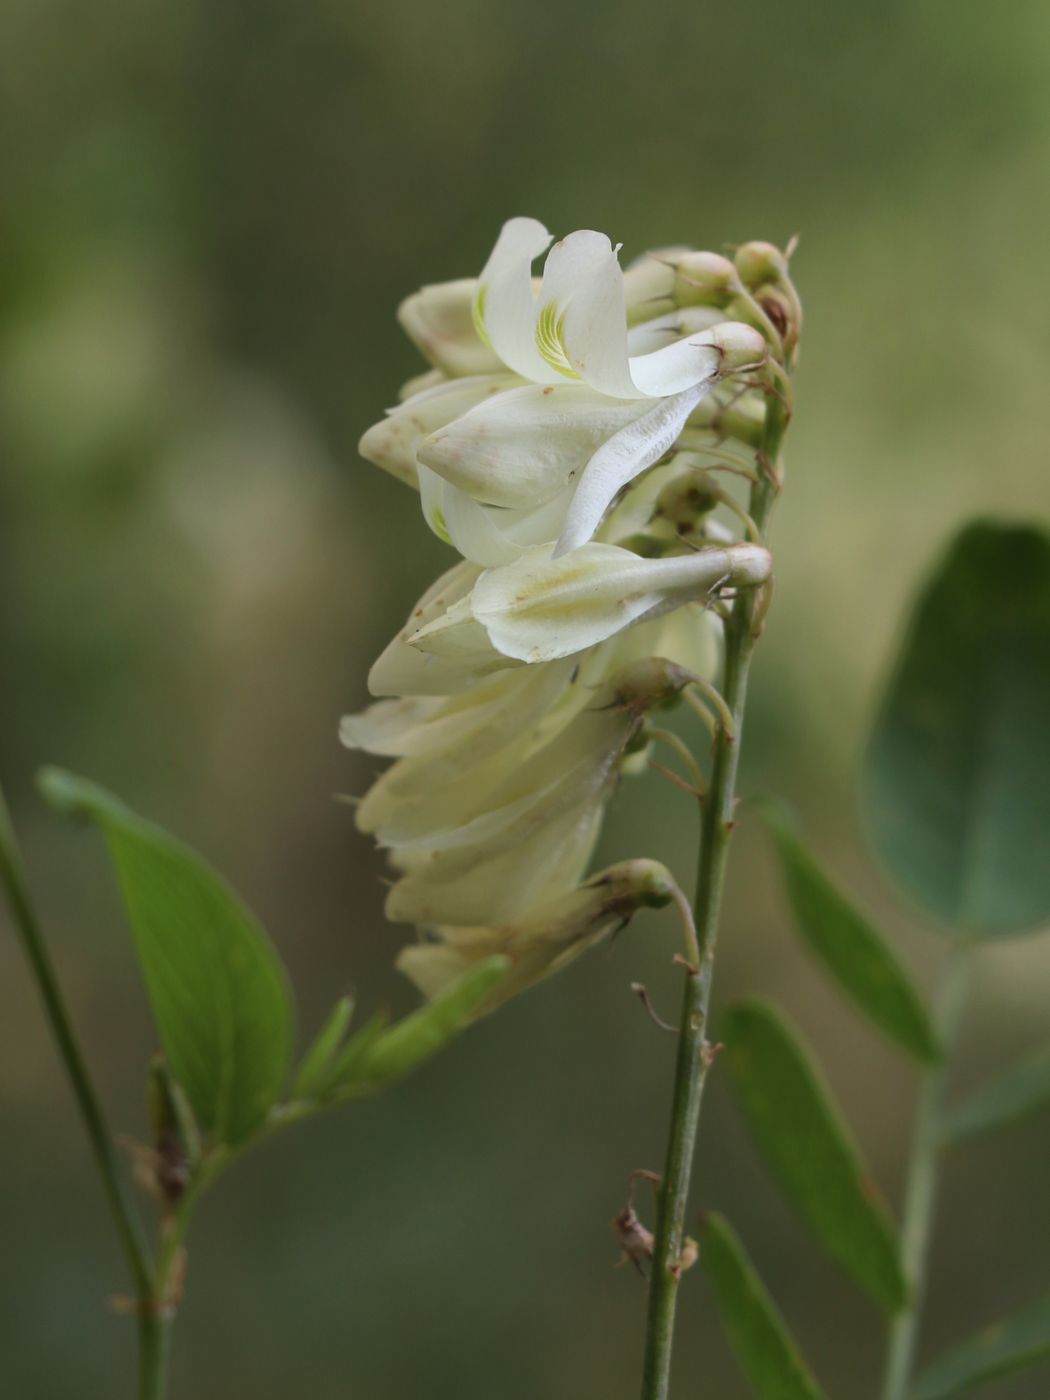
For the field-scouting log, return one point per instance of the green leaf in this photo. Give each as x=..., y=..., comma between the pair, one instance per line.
x=1000, y=1350
x=806, y=1145
x=1021, y=1091
x=319, y=1057
x=217, y=988
x=955, y=787
x=422, y=1034
x=847, y=944
x=757, y=1333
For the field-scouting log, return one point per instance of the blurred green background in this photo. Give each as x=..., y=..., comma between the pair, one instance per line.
x=211, y=211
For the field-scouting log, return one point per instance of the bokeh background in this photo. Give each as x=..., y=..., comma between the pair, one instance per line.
x=211, y=211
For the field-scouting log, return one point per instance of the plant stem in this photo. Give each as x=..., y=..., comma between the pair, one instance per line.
x=129, y=1230
x=154, y=1350
x=151, y=1327
x=694, y=1053
x=920, y=1198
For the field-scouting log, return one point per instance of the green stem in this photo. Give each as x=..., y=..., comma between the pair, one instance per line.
x=154, y=1352
x=129, y=1230
x=920, y=1197
x=151, y=1327
x=694, y=1053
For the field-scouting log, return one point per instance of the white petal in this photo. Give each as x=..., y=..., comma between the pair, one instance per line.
x=391, y=443
x=439, y=320
x=648, y=283
x=404, y=670
x=432, y=500
x=522, y=447
x=469, y=726
x=474, y=529
x=492, y=536
x=676, y=367
x=419, y=383
x=621, y=459
x=447, y=889
x=581, y=324
x=506, y=306
x=389, y=727
x=463, y=757
x=541, y=608
x=501, y=803
x=661, y=331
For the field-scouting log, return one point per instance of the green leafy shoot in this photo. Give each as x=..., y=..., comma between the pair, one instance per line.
x=757, y=1333
x=846, y=943
x=956, y=789
x=1014, y=1096
x=218, y=991
x=1000, y=1350
x=317, y=1061
x=806, y=1146
x=341, y=1077
x=411, y=1041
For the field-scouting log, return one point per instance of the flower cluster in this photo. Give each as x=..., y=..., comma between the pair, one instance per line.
x=569, y=442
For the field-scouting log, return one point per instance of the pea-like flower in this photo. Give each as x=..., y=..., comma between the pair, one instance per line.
x=562, y=404
x=548, y=938
x=563, y=442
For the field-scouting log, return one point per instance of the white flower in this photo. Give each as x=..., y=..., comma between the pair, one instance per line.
x=575, y=327
x=505, y=464
x=516, y=694
x=478, y=843
x=546, y=939
x=542, y=608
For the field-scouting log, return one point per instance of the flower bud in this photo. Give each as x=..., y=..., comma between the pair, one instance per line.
x=741, y=346
x=705, y=279
x=648, y=684
x=744, y=420
x=759, y=263
x=764, y=268
x=648, y=284
x=646, y=546
x=686, y=497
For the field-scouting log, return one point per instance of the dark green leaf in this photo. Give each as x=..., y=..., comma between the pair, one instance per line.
x=806, y=1145
x=422, y=1034
x=319, y=1057
x=1000, y=1350
x=956, y=786
x=218, y=991
x=760, y=1340
x=1021, y=1091
x=847, y=945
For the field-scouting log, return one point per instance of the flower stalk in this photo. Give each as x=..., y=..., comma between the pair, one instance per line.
x=695, y=1053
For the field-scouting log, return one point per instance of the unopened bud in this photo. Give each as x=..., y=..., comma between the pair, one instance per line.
x=744, y=420
x=635, y=884
x=645, y=546
x=759, y=263
x=686, y=497
x=648, y=684
x=648, y=284
x=741, y=346
x=705, y=279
